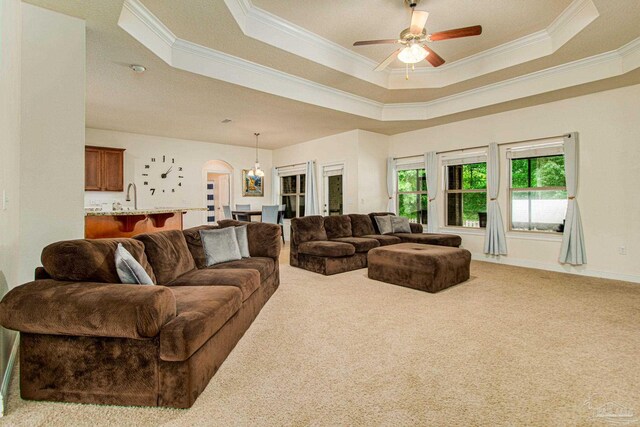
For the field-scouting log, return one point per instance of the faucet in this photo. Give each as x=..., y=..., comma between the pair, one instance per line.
x=135, y=195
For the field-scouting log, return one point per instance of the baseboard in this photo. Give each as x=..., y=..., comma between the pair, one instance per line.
x=6, y=379
x=581, y=271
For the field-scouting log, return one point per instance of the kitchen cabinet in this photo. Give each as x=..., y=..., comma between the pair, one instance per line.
x=103, y=169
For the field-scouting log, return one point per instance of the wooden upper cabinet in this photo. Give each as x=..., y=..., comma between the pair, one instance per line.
x=103, y=169
x=92, y=169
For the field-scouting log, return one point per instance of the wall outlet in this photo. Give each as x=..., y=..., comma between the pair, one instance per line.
x=622, y=250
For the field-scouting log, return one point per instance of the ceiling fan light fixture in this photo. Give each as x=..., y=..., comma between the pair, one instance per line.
x=412, y=54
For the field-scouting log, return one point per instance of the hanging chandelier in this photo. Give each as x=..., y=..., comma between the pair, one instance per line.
x=256, y=171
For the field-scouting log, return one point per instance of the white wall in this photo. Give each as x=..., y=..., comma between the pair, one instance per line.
x=362, y=153
x=609, y=166
x=52, y=126
x=191, y=156
x=10, y=49
x=372, y=172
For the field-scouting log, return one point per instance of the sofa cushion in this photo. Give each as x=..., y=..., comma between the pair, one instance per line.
x=361, y=225
x=220, y=245
x=55, y=307
x=400, y=224
x=384, y=224
x=265, y=240
x=244, y=279
x=265, y=266
x=129, y=270
x=430, y=239
x=384, y=239
x=373, y=216
x=361, y=244
x=201, y=312
x=168, y=254
x=308, y=229
x=90, y=260
x=337, y=226
x=326, y=248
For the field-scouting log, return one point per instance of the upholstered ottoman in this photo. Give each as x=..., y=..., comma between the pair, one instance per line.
x=425, y=267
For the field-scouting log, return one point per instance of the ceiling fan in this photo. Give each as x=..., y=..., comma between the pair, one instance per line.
x=415, y=38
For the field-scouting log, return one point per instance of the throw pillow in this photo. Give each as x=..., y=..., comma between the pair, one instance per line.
x=400, y=224
x=243, y=241
x=220, y=245
x=129, y=270
x=384, y=224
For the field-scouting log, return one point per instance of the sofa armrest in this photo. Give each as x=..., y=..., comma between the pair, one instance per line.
x=415, y=227
x=265, y=240
x=88, y=309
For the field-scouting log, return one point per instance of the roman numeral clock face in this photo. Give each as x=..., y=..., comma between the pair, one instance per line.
x=162, y=175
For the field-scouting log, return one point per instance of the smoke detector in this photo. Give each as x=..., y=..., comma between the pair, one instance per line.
x=138, y=68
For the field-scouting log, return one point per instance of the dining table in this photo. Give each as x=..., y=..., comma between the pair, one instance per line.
x=245, y=213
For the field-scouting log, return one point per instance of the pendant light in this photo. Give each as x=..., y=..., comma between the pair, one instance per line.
x=256, y=171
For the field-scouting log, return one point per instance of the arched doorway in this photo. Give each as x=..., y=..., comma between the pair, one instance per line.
x=217, y=180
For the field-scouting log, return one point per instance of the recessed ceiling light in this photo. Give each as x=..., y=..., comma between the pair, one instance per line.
x=226, y=121
x=138, y=68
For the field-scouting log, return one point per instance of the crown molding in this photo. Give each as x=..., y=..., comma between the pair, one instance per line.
x=140, y=23
x=271, y=29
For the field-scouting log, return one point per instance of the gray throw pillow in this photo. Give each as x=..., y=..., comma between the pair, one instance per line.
x=384, y=224
x=243, y=241
x=220, y=245
x=400, y=224
x=129, y=270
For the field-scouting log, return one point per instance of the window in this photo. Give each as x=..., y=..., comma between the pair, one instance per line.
x=292, y=190
x=538, y=193
x=466, y=195
x=412, y=195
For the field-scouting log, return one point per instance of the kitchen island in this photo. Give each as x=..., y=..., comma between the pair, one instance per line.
x=129, y=223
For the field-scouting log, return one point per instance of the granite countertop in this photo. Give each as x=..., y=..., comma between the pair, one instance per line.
x=150, y=211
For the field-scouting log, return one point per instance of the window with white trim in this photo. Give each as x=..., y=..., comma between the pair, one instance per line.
x=537, y=190
x=292, y=189
x=466, y=191
x=412, y=197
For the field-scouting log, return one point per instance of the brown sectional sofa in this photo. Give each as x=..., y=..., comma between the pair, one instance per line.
x=335, y=244
x=87, y=338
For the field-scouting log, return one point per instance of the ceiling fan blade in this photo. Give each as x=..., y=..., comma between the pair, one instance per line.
x=384, y=64
x=418, y=21
x=433, y=58
x=366, y=42
x=476, y=30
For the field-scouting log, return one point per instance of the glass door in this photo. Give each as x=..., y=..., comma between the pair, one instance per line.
x=333, y=184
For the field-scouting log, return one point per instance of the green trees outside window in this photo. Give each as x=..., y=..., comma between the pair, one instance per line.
x=412, y=195
x=538, y=194
x=466, y=195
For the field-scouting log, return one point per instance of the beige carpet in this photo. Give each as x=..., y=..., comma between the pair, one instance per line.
x=511, y=346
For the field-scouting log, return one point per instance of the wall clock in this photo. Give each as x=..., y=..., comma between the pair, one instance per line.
x=162, y=175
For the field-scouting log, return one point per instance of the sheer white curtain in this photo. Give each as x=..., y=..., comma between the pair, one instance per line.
x=431, y=168
x=391, y=184
x=572, y=250
x=495, y=242
x=275, y=186
x=311, y=206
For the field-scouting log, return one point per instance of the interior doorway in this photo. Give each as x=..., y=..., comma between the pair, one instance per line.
x=333, y=185
x=217, y=177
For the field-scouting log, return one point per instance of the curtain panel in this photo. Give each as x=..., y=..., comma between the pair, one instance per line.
x=495, y=242
x=391, y=184
x=311, y=191
x=572, y=250
x=431, y=169
x=275, y=186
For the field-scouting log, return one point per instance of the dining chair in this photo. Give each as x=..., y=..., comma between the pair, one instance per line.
x=227, y=212
x=243, y=208
x=271, y=215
